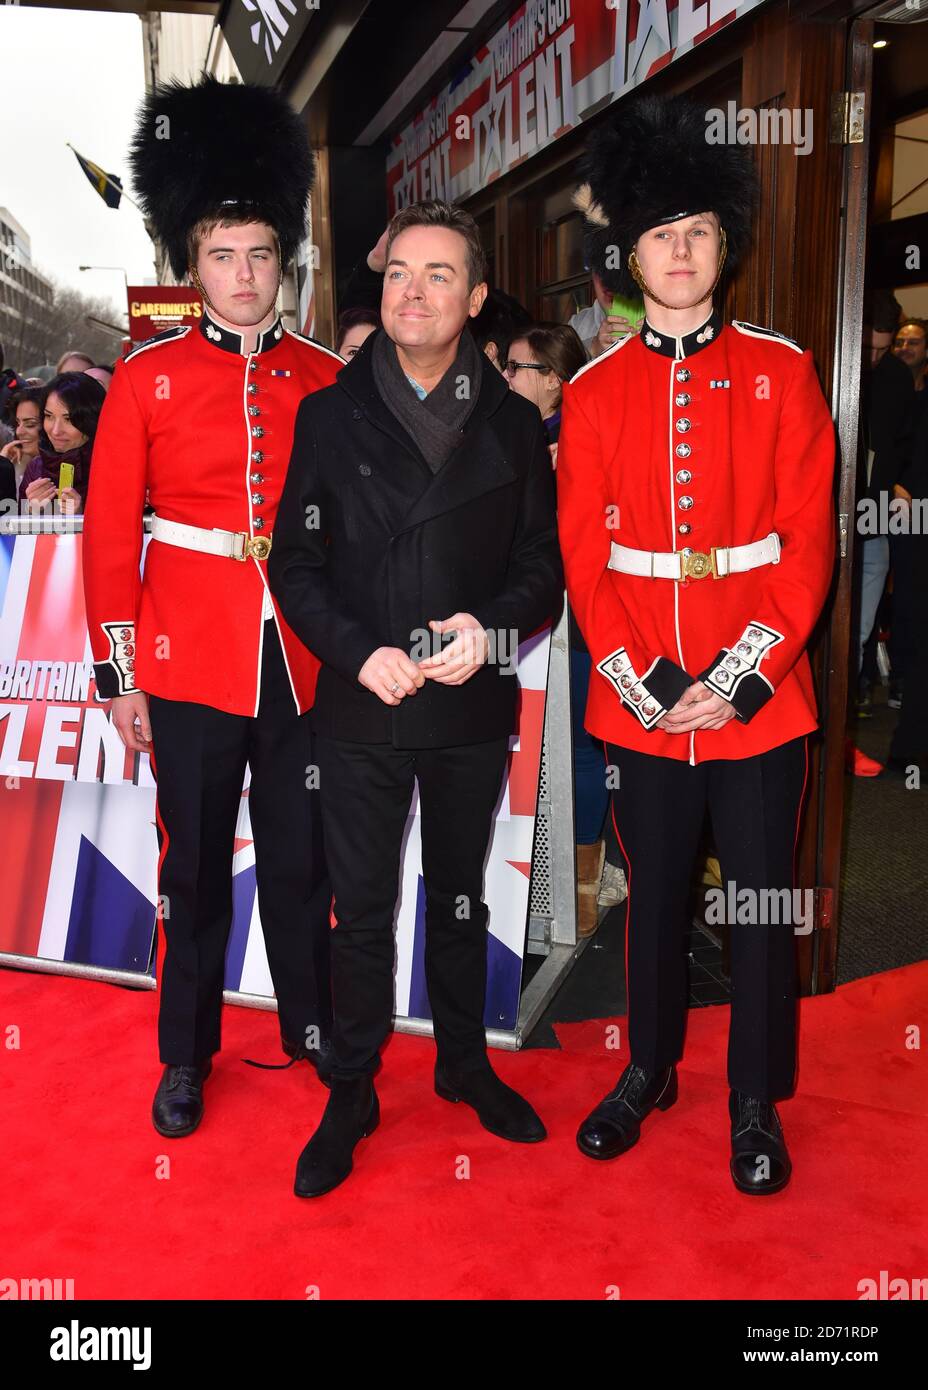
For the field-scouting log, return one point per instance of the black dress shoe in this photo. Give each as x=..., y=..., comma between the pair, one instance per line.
x=615, y=1124
x=499, y=1108
x=759, y=1161
x=178, y=1105
x=351, y=1114
x=320, y=1057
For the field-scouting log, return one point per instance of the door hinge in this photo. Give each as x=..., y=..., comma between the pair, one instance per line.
x=823, y=907
x=842, y=534
x=847, y=118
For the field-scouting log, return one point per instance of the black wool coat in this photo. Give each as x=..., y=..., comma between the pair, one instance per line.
x=889, y=415
x=369, y=545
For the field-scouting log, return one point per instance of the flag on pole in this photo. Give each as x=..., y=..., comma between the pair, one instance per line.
x=108, y=186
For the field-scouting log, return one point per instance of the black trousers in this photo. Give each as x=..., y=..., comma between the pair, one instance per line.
x=910, y=740
x=659, y=808
x=908, y=603
x=200, y=756
x=366, y=793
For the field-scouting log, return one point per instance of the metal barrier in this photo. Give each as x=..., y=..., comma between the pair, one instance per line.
x=551, y=924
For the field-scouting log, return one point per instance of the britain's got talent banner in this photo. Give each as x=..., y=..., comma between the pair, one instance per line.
x=549, y=66
x=77, y=812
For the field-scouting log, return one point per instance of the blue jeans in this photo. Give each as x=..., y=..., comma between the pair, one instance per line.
x=874, y=563
x=590, y=792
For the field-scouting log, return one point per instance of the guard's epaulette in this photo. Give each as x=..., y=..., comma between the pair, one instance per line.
x=595, y=361
x=314, y=342
x=754, y=330
x=167, y=335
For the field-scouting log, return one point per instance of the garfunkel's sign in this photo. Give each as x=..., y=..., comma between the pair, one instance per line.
x=553, y=64
x=152, y=308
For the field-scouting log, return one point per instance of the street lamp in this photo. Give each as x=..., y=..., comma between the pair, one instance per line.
x=120, y=268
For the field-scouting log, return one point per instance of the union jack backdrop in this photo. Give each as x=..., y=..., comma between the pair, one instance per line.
x=77, y=812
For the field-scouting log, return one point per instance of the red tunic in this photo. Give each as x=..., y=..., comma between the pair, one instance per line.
x=726, y=434
x=208, y=433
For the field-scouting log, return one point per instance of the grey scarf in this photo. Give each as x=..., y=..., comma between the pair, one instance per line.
x=437, y=422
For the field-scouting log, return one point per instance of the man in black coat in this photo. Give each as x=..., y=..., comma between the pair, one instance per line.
x=887, y=397
x=414, y=548
x=908, y=754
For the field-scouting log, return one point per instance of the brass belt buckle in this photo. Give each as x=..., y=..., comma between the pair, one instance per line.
x=259, y=547
x=698, y=565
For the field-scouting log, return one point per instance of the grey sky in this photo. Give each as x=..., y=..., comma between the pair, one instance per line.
x=72, y=75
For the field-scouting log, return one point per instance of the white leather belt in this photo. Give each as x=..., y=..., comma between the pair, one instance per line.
x=695, y=564
x=232, y=545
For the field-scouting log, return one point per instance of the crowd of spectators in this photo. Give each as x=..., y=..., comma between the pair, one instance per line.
x=45, y=426
x=892, y=579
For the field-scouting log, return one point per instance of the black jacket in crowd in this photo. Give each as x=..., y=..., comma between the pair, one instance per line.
x=915, y=477
x=10, y=383
x=393, y=545
x=888, y=416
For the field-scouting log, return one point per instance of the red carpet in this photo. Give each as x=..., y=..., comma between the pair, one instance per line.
x=83, y=1199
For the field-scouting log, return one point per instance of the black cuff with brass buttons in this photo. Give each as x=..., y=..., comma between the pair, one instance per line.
x=667, y=682
x=751, y=692
x=107, y=680
x=648, y=697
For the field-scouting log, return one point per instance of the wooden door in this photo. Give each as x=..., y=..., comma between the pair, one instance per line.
x=805, y=278
x=802, y=277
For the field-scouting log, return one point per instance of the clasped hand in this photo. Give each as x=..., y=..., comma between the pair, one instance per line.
x=392, y=675
x=697, y=708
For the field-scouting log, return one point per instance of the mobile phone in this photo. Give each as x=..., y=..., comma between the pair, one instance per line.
x=631, y=309
x=65, y=476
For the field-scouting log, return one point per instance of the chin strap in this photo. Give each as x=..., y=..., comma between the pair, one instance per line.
x=642, y=284
x=198, y=285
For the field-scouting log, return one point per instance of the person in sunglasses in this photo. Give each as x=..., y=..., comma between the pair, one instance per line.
x=540, y=361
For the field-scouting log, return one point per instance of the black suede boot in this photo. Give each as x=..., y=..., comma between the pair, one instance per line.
x=615, y=1125
x=352, y=1113
x=178, y=1105
x=499, y=1108
x=760, y=1163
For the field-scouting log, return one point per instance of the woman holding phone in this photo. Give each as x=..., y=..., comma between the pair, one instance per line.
x=70, y=408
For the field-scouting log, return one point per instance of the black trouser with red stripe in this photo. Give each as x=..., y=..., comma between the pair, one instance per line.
x=659, y=807
x=200, y=756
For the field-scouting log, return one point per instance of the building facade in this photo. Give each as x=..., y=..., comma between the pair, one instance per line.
x=25, y=297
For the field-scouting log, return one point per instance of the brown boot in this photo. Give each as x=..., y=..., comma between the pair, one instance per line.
x=589, y=872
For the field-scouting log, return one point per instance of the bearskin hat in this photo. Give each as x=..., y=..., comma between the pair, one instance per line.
x=649, y=164
x=220, y=149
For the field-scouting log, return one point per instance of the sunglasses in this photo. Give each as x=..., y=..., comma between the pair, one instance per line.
x=511, y=368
